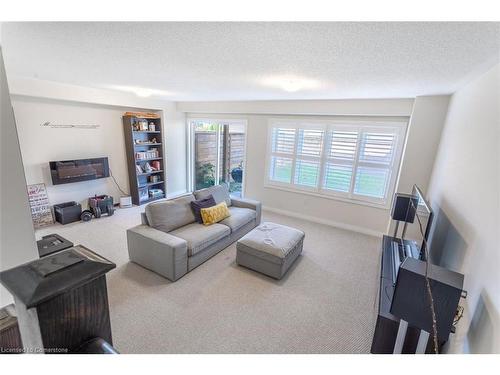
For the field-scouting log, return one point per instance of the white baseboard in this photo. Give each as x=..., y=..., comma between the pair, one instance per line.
x=331, y=223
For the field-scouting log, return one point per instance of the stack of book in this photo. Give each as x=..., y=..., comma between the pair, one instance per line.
x=149, y=154
x=154, y=193
x=142, y=114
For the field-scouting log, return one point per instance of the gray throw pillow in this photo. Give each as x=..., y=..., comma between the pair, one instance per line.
x=196, y=206
x=219, y=192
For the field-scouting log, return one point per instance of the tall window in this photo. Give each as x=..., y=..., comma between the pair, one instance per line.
x=351, y=160
x=217, y=153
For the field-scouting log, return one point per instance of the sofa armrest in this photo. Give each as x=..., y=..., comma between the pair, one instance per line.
x=249, y=203
x=157, y=251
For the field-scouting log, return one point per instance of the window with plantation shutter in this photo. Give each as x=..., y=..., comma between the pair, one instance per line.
x=283, y=150
x=309, y=150
x=350, y=160
x=376, y=156
x=339, y=163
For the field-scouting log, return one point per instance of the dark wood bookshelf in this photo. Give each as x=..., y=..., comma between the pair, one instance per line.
x=140, y=183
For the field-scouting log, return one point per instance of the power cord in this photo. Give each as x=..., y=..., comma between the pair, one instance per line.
x=116, y=183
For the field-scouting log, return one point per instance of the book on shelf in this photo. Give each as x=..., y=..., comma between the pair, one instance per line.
x=155, y=193
x=151, y=115
x=148, y=154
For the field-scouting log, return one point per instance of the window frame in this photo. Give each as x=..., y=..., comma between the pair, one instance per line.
x=398, y=127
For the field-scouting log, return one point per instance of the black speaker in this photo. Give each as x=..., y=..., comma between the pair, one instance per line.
x=402, y=209
x=411, y=300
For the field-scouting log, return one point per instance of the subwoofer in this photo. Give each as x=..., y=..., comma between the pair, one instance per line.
x=411, y=300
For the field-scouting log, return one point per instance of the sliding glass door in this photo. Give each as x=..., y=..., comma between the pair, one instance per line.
x=218, y=153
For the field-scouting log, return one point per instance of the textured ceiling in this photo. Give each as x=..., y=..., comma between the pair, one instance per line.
x=247, y=61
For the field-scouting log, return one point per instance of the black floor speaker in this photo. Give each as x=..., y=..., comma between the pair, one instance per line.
x=411, y=300
x=403, y=207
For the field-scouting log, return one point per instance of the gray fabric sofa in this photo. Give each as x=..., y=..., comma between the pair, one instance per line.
x=171, y=243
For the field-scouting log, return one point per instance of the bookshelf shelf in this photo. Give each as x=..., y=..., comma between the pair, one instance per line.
x=150, y=159
x=146, y=144
x=152, y=183
x=152, y=199
x=149, y=173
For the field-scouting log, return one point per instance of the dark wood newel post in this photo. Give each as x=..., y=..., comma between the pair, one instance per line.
x=62, y=302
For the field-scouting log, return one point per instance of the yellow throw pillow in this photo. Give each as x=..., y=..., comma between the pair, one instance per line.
x=214, y=214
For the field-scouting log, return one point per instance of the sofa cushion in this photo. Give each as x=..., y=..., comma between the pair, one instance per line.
x=219, y=192
x=196, y=206
x=199, y=236
x=167, y=215
x=239, y=217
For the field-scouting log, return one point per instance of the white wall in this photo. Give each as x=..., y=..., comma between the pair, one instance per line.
x=422, y=142
x=36, y=102
x=17, y=238
x=427, y=116
x=41, y=144
x=465, y=193
x=358, y=107
x=176, y=149
x=424, y=134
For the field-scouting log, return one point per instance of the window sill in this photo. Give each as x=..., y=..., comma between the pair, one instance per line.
x=384, y=206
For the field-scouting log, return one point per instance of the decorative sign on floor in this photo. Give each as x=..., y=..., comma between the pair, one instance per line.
x=48, y=124
x=40, y=206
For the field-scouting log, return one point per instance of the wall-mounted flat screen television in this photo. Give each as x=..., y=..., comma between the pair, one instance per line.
x=67, y=171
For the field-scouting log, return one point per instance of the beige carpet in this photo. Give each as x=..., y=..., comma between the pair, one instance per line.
x=325, y=304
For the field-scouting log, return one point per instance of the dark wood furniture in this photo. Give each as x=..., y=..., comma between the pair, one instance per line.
x=386, y=328
x=61, y=300
x=10, y=337
x=137, y=141
x=52, y=243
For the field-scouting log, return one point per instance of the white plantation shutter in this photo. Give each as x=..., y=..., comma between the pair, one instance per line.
x=307, y=173
x=309, y=151
x=343, y=145
x=310, y=142
x=377, y=148
x=376, y=156
x=283, y=150
x=351, y=160
x=283, y=140
x=339, y=164
x=338, y=177
x=371, y=182
x=281, y=169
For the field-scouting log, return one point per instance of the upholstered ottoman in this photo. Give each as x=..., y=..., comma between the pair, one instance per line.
x=270, y=249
